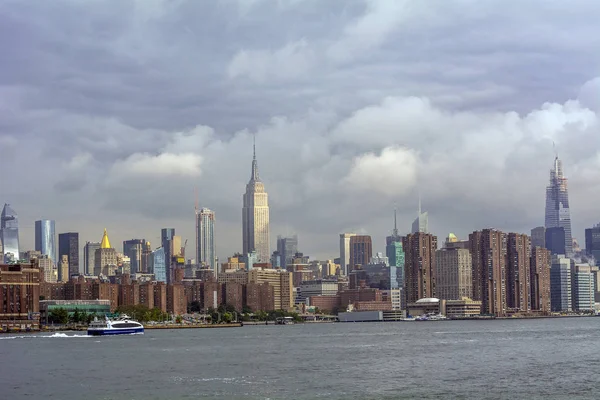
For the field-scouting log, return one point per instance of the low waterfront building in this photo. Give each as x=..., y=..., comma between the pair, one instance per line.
x=462, y=308
x=394, y=297
x=424, y=306
x=93, y=307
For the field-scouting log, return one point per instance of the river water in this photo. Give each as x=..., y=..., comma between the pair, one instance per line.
x=502, y=359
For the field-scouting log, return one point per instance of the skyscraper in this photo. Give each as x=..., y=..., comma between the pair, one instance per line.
x=68, y=245
x=582, y=284
x=538, y=237
x=560, y=283
x=557, y=204
x=488, y=253
x=255, y=217
x=518, y=272
x=419, y=265
x=105, y=262
x=45, y=238
x=361, y=250
x=159, y=267
x=9, y=234
x=205, y=239
x=592, y=243
x=134, y=249
x=89, y=257
x=345, y=251
x=395, y=252
x=540, y=279
x=555, y=240
x=395, y=236
x=287, y=248
x=421, y=224
x=166, y=236
x=453, y=274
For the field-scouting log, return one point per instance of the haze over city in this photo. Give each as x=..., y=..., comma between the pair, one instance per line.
x=113, y=113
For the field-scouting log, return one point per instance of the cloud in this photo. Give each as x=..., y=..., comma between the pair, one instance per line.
x=163, y=165
x=391, y=173
x=118, y=111
x=291, y=61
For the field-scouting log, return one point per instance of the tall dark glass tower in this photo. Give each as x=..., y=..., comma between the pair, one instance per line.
x=558, y=214
x=68, y=245
x=9, y=234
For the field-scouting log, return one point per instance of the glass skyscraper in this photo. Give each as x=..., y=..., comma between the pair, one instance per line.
x=68, y=245
x=134, y=249
x=158, y=260
x=287, y=248
x=9, y=234
x=558, y=214
x=89, y=257
x=205, y=239
x=45, y=238
x=560, y=284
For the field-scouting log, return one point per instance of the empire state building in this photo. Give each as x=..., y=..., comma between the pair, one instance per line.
x=255, y=217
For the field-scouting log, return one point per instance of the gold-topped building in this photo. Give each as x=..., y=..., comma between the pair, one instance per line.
x=106, y=258
x=105, y=243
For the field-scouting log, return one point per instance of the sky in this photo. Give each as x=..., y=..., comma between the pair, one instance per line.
x=114, y=114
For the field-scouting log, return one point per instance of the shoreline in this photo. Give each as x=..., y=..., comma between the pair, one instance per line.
x=273, y=323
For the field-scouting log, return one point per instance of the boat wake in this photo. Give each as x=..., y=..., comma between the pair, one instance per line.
x=54, y=335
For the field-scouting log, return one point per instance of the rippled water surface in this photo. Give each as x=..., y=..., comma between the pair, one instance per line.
x=510, y=359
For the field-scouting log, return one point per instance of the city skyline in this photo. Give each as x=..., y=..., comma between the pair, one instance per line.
x=343, y=124
x=556, y=196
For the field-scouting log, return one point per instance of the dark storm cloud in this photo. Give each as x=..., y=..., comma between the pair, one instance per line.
x=120, y=109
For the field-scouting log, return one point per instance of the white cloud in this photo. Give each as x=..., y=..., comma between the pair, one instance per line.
x=161, y=166
x=391, y=173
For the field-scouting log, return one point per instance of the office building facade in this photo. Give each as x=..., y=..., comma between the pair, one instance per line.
x=555, y=240
x=134, y=249
x=68, y=245
x=205, y=239
x=453, y=275
x=538, y=237
x=345, y=251
x=9, y=234
x=560, y=284
x=488, y=255
x=361, y=250
x=89, y=257
x=541, y=261
x=518, y=272
x=287, y=247
x=419, y=266
x=592, y=243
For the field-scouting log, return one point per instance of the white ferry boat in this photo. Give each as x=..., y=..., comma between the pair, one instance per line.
x=120, y=326
x=431, y=317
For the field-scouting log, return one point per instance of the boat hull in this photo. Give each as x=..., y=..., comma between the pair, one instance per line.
x=108, y=332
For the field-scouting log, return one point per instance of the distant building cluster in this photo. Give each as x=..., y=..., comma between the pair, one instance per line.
x=489, y=274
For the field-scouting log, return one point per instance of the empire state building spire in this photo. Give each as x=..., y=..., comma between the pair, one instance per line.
x=254, y=177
